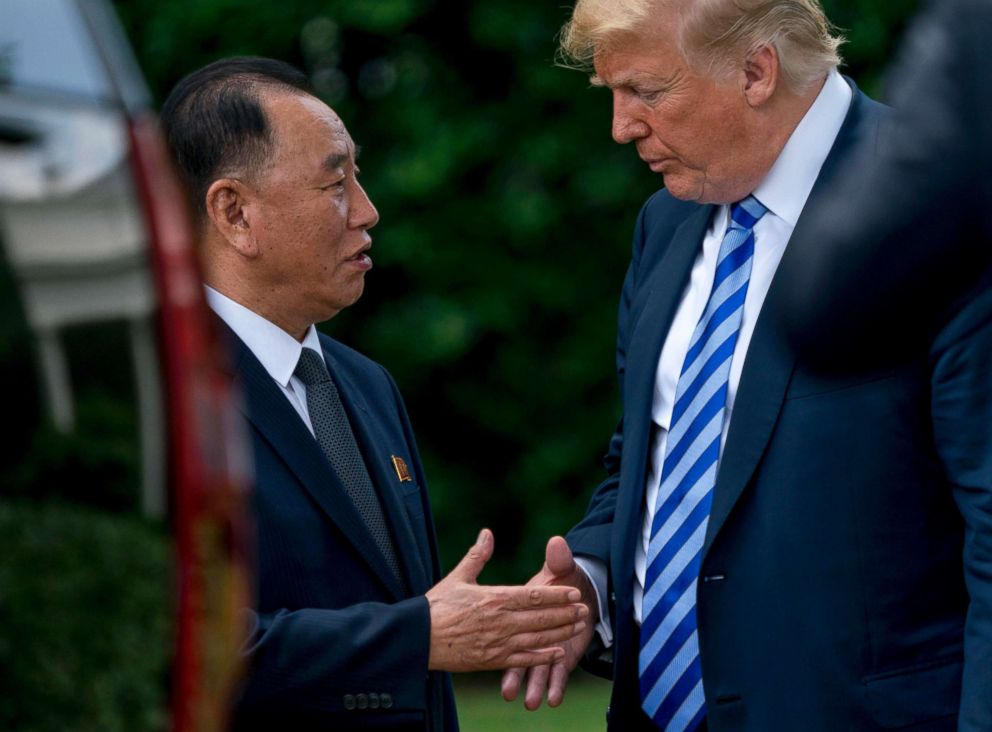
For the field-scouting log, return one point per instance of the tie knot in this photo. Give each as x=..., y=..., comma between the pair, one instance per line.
x=746, y=213
x=311, y=369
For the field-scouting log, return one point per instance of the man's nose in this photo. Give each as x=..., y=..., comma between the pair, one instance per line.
x=363, y=212
x=627, y=126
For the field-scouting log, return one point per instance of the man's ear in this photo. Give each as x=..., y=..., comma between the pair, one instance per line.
x=761, y=73
x=227, y=202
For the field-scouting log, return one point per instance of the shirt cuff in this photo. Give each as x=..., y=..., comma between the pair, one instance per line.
x=595, y=570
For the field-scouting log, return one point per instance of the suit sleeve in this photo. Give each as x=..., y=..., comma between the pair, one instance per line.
x=592, y=536
x=309, y=660
x=961, y=393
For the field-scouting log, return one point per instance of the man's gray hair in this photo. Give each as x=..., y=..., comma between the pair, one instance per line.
x=714, y=36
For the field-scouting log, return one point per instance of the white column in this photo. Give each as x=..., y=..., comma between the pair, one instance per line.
x=151, y=417
x=56, y=383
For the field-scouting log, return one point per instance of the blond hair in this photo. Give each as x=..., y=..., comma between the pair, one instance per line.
x=713, y=35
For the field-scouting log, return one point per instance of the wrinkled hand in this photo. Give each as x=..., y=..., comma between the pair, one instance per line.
x=476, y=627
x=559, y=569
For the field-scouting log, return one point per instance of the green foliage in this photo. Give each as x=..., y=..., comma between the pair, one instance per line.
x=872, y=29
x=506, y=212
x=84, y=607
x=482, y=709
x=97, y=463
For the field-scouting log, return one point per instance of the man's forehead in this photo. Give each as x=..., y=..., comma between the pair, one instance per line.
x=650, y=52
x=320, y=110
x=628, y=68
x=296, y=112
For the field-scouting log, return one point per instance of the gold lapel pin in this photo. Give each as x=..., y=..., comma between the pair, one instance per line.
x=402, y=471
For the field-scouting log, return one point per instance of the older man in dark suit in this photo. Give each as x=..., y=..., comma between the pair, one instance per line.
x=353, y=626
x=776, y=548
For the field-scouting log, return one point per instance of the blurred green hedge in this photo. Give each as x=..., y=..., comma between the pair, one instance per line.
x=506, y=213
x=84, y=613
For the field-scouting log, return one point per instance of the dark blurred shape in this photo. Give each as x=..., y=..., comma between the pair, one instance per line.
x=893, y=259
x=121, y=476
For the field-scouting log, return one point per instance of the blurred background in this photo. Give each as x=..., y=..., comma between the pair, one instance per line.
x=506, y=217
x=506, y=214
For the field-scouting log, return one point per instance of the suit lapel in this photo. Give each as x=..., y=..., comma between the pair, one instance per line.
x=374, y=447
x=271, y=414
x=665, y=285
x=770, y=361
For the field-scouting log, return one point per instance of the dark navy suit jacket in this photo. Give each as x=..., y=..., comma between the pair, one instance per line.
x=338, y=643
x=851, y=515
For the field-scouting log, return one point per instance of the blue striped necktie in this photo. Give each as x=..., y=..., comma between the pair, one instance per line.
x=670, y=674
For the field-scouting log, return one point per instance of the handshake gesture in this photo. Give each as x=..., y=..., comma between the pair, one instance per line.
x=538, y=631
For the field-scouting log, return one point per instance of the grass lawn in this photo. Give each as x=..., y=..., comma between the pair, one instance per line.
x=482, y=709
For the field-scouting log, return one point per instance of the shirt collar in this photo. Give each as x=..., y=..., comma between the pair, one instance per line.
x=788, y=184
x=276, y=350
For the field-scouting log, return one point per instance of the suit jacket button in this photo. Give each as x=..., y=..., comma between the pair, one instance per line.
x=363, y=701
x=374, y=701
x=349, y=701
x=386, y=700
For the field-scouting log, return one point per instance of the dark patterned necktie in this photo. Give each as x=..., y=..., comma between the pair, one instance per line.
x=336, y=438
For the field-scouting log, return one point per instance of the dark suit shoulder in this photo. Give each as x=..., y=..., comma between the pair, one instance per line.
x=660, y=217
x=364, y=380
x=663, y=208
x=356, y=364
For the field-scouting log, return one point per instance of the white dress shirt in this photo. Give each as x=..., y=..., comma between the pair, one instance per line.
x=276, y=350
x=783, y=192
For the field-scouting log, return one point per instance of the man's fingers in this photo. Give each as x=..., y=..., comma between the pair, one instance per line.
x=542, y=657
x=557, y=684
x=535, y=621
x=469, y=569
x=537, y=683
x=510, y=685
x=558, y=557
x=546, y=637
x=534, y=596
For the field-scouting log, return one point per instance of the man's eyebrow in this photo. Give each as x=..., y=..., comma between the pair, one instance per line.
x=627, y=81
x=621, y=81
x=335, y=161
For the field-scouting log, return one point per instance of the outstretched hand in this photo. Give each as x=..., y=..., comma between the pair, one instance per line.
x=559, y=569
x=477, y=627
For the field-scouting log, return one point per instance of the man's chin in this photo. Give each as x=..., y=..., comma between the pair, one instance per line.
x=333, y=305
x=354, y=293
x=682, y=189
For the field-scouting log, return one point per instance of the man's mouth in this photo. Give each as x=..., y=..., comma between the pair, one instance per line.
x=361, y=257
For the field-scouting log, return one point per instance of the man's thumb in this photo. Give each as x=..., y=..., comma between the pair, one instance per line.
x=473, y=562
x=558, y=557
